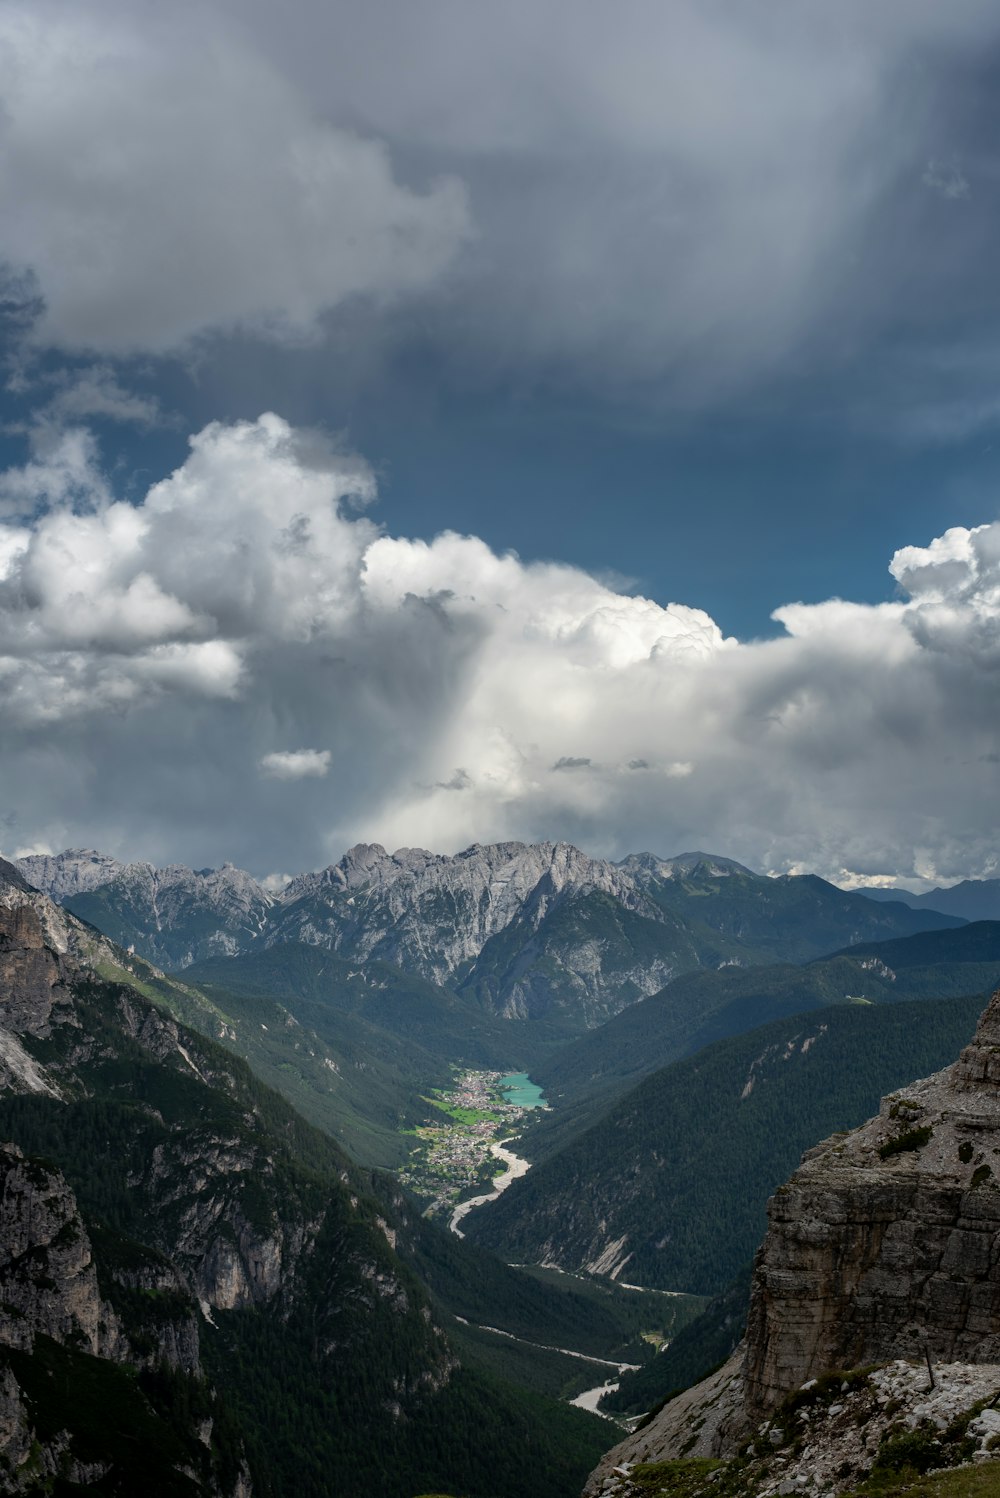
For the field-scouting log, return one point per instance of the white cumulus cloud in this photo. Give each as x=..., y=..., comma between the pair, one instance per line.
x=296, y=764
x=158, y=659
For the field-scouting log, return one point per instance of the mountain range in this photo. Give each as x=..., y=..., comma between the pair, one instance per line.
x=695, y=1026
x=540, y=933
x=972, y=899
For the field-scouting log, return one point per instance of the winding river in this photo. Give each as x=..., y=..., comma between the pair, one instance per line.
x=515, y=1167
x=520, y=1089
x=524, y=1091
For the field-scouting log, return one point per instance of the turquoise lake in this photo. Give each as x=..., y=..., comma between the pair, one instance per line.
x=520, y=1089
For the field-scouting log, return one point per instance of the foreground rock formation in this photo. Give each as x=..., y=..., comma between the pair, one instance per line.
x=886, y=1241
x=883, y=1249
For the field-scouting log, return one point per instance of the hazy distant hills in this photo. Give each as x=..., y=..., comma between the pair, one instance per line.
x=529, y=932
x=973, y=899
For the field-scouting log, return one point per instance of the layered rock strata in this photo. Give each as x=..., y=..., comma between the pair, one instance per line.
x=885, y=1243
x=882, y=1252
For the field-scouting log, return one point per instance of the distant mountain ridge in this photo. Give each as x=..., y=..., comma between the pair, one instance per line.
x=539, y=932
x=70, y=873
x=972, y=899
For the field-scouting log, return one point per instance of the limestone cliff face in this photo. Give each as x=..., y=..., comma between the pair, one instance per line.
x=48, y=1283
x=32, y=976
x=434, y=915
x=887, y=1240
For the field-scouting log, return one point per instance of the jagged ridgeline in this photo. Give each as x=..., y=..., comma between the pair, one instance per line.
x=199, y=1293
x=531, y=932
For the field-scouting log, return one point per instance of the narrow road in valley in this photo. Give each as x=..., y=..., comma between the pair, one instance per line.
x=568, y=1352
x=516, y=1167
x=588, y=1399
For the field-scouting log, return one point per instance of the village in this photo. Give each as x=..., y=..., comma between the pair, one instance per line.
x=453, y=1158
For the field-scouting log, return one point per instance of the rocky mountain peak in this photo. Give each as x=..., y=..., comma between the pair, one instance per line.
x=64, y=874
x=682, y=865
x=434, y=912
x=978, y=1067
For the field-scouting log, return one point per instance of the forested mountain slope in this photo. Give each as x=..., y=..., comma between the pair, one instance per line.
x=698, y=1008
x=185, y=1238
x=668, y=1188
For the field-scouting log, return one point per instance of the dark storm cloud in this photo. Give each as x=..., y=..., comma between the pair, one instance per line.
x=698, y=200
x=690, y=197
x=693, y=197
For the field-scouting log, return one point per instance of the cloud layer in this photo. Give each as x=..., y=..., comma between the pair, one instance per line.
x=160, y=181
x=689, y=196
x=162, y=666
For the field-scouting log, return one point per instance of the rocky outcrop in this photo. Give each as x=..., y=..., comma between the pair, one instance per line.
x=886, y=1242
x=50, y=1287
x=32, y=975
x=882, y=1256
x=71, y=873
x=48, y=1282
x=831, y=1436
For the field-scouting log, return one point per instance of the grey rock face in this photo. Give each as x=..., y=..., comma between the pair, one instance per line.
x=887, y=1240
x=64, y=874
x=681, y=865
x=437, y=913
x=32, y=975
x=11, y=878
x=48, y=1282
x=176, y=916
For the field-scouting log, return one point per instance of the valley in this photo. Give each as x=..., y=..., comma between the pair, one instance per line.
x=456, y=1156
x=558, y=1092
x=499, y=716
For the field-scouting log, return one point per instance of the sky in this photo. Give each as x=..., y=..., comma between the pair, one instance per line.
x=450, y=423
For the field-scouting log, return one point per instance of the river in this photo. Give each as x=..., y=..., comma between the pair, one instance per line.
x=516, y=1167
x=518, y=1088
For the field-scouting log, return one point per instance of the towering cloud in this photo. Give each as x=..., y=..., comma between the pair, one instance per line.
x=176, y=655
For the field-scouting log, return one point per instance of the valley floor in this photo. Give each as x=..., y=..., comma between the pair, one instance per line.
x=451, y=1158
